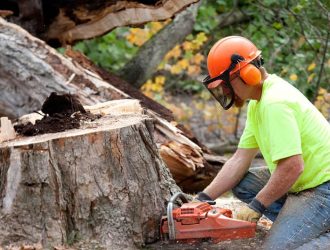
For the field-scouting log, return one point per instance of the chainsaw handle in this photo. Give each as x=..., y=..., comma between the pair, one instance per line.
x=211, y=202
x=177, y=195
x=170, y=221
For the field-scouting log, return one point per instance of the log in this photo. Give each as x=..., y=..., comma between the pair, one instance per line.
x=43, y=70
x=64, y=22
x=102, y=184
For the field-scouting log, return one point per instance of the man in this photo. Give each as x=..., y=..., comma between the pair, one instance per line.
x=294, y=139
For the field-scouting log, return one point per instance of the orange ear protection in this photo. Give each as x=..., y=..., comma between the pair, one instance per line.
x=251, y=74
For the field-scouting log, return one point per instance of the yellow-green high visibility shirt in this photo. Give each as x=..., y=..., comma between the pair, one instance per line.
x=284, y=123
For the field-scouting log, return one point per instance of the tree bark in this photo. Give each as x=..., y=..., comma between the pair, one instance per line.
x=102, y=184
x=30, y=71
x=144, y=64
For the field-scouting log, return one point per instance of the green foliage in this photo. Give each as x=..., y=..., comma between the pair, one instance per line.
x=207, y=15
x=111, y=51
x=292, y=36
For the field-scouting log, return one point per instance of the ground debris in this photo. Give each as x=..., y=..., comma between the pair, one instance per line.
x=36, y=246
x=238, y=244
x=62, y=112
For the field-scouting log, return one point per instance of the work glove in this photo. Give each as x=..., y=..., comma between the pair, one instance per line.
x=201, y=196
x=247, y=214
x=251, y=212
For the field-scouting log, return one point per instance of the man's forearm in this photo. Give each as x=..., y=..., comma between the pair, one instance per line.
x=285, y=175
x=231, y=173
x=225, y=180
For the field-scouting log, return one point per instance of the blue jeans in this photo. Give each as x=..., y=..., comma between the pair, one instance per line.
x=301, y=220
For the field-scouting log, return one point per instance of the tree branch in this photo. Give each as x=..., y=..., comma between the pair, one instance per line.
x=322, y=66
x=146, y=61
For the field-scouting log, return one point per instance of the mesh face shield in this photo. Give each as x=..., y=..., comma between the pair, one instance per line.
x=224, y=92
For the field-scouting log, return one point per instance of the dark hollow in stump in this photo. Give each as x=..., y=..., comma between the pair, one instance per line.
x=61, y=112
x=104, y=182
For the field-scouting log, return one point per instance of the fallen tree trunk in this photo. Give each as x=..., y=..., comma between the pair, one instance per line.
x=42, y=70
x=64, y=22
x=102, y=184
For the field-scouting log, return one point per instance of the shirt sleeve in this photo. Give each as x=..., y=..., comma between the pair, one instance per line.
x=283, y=131
x=248, y=139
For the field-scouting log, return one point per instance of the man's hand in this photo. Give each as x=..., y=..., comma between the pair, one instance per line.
x=248, y=214
x=251, y=212
x=201, y=196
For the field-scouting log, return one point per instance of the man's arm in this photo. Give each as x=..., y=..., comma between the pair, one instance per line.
x=231, y=173
x=285, y=175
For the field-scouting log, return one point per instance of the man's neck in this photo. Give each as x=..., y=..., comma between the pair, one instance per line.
x=264, y=74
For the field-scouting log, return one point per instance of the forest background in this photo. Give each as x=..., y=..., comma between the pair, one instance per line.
x=293, y=37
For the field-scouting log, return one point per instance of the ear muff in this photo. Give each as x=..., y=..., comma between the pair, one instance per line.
x=250, y=74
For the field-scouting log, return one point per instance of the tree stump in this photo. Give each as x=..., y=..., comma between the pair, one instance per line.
x=104, y=182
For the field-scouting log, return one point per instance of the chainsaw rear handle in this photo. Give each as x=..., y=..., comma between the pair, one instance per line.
x=170, y=221
x=201, y=196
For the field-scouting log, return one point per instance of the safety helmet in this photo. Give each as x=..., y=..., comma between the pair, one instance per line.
x=227, y=56
x=219, y=57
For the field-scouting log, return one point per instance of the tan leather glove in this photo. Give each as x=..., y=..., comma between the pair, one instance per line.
x=247, y=214
x=195, y=199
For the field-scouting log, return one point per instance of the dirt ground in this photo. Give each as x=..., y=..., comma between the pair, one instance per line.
x=254, y=243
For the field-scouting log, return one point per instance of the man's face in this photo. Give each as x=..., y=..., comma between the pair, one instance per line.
x=234, y=80
x=223, y=91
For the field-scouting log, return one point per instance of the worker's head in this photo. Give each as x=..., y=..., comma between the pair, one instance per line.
x=230, y=60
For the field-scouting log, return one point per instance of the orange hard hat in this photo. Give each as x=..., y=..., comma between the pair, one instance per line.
x=219, y=57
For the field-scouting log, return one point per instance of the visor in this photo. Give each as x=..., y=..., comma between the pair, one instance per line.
x=221, y=90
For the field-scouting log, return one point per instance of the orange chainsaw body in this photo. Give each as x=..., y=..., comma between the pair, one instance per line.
x=200, y=220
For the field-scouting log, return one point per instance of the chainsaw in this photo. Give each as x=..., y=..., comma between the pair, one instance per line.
x=202, y=220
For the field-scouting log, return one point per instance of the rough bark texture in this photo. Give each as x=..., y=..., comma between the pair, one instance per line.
x=63, y=22
x=30, y=70
x=103, y=183
x=149, y=56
